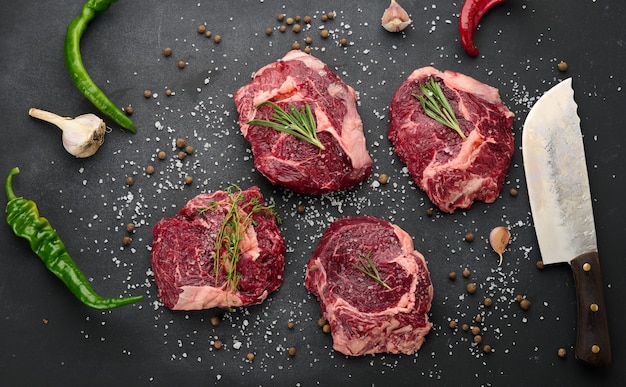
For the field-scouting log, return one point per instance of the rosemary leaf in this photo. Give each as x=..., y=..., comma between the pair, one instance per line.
x=437, y=106
x=368, y=267
x=298, y=123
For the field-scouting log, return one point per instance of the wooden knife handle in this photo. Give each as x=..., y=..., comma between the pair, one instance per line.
x=592, y=344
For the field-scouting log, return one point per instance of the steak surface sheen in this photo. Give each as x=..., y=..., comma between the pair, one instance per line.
x=453, y=172
x=285, y=160
x=183, y=254
x=364, y=316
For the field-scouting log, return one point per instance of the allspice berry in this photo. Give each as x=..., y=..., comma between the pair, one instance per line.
x=471, y=287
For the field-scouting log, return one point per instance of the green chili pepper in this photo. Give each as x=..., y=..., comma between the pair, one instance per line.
x=76, y=69
x=23, y=217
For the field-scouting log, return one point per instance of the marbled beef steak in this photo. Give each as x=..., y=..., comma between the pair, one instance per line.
x=453, y=172
x=184, y=251
x=366, y=316
x=298, y=79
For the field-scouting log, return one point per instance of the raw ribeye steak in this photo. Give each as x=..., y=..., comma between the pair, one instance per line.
x=299, y=79
x=367, y=316
x=453, y=172
x=187, y=271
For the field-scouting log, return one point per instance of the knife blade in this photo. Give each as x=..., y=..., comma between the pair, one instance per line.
x=560, y=202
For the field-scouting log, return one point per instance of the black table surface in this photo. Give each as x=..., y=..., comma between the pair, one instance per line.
x=47, y=336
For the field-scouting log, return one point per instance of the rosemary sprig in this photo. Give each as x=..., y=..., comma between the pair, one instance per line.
x=231, y=232
x=368, y=267
x=299, y=123
x=437, y=107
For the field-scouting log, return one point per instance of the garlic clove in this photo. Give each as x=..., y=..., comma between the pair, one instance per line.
x=82, y=136
x=395, y=18
x=499, y=238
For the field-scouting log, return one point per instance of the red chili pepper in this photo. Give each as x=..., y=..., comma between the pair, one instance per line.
x=470, y=16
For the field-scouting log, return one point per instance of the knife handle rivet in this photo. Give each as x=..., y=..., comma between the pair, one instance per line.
x=595, y=349
x=586, y=266
x=594, y=307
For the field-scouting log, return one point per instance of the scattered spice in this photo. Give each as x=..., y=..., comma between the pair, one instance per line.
x=291, y=325
x=130, y=227
x=295, y=46
x=308, y=40
x=300, y=209
x=478, y=339
x=147, y=93
x=471, y=287
x=429, y=212
x=321, y=322
x=296, y=28
x=292, y=351
x=282, y=28
x=562, y=66
x=126, y=240
x=217, y=38
x=465, y=327
x=181, y=64
x=130, y=180
x=539, y=264
x=307, y=19
x=201, y=29
x=330, y=15
x=487, y=348
x=562, y=352
x=162, y=155
x=215, y=320
x=218, y=344
x=469, y=237
x=181, y=155
x=487, y=301
x=452, y=275
x=524, y=304
x=168, y=92
x=466, y=273
x=268, y=31
x=189, y=150
x=167, y=51
x=129, y=110
x=519, y=297
x=188, y=180
x=289, y=21
x=453, y=324
x=513, y=192
x=45, y=321
x=250, y=356
x=208, y=34
x=326, y=328
x=475, y=330
x=180, y=142
x=343, y=42
x=324, y=33
x=280, y=17
x=383, y=178
x=478, y=318
x=150, y=169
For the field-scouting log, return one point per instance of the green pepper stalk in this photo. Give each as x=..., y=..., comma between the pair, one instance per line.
x=76, y=69
x=23, y=217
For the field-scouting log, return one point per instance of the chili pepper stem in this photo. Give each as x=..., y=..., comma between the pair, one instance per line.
x=9, y=183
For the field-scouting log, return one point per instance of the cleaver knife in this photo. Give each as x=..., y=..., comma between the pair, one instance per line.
x=560, y=201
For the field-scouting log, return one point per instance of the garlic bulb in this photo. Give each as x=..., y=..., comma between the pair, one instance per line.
x=395, y=18
x=499, y=239
x=82, y=136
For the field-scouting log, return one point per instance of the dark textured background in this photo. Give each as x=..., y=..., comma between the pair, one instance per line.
x=88, y=202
